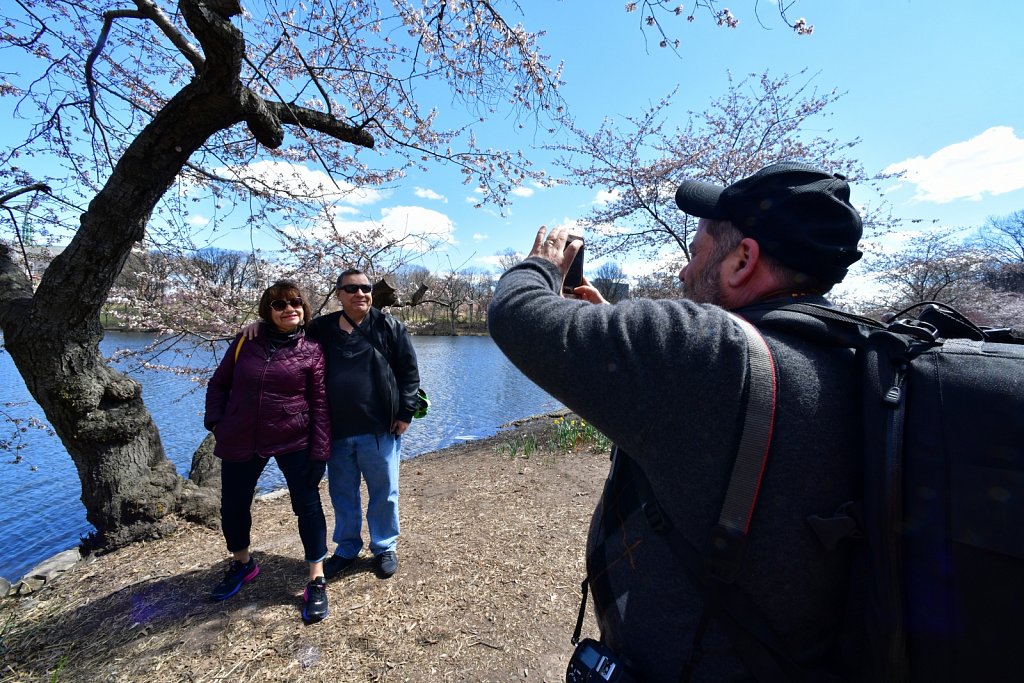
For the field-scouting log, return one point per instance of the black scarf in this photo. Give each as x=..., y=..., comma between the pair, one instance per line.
x=276, y=338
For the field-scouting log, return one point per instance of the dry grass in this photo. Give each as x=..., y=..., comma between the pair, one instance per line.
x=487, y=589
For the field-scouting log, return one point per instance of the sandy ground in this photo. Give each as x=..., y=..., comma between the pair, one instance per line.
x=491, y=558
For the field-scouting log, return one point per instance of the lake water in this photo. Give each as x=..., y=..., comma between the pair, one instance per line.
x=473, y=391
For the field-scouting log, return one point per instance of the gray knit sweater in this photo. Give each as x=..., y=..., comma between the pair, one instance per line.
x=665, y=381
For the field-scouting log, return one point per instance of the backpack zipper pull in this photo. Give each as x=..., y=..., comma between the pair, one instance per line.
x=895, y=393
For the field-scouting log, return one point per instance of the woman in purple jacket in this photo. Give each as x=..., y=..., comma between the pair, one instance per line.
x=267, y=399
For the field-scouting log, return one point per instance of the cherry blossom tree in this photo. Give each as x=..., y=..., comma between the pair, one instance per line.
x=609, y=280
x=939, y=265
x=139, y=110
x=660, y=18
x=508, y=258
x=661, y=284
x=1003, y=237
x=636, y=164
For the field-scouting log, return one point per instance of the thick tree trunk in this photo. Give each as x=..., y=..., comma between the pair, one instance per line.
x=128, y=485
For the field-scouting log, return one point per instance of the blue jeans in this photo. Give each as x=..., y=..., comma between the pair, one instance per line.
x=375, y=457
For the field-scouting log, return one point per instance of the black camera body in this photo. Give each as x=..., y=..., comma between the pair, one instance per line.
x=593, y=662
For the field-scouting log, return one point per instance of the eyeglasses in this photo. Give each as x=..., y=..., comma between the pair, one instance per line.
x=281, y=304
x=352, y=289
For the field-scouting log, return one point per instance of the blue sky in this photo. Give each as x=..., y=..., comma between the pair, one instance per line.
x=935, y=88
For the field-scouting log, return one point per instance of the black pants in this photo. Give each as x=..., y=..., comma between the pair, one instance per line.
x=238, y=486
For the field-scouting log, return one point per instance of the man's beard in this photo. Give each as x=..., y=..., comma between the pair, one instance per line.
x=705, y=288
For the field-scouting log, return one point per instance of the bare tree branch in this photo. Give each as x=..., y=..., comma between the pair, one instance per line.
x=4, y=198
x=157, y=16
x=36, y=187
x=320, y=122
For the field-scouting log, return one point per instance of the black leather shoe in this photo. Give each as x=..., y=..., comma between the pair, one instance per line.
x=386, y=564
x=336, y=564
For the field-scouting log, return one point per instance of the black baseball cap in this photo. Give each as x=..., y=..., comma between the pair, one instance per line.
x=799, y=214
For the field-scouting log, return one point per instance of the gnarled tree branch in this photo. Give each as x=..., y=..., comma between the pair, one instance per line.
x=322, y=123
x=36, y=187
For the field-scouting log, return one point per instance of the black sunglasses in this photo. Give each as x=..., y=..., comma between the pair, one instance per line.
x=352, y=289
x=281, y=304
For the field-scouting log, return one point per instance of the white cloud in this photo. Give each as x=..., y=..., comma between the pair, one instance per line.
x=199, y=221
x=425, y=193
x=634, y=268
x=571, y=224
x=479, y=237
x=477, y=197
x=415, y=220
x=523, y=191
x=493, y=261
x=606, y=197
x=296, y=178
x=991, y=163
x=609, y=229
x=421, y=229
x=858, y=286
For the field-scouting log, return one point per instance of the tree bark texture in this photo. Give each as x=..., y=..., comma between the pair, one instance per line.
x=128, y=484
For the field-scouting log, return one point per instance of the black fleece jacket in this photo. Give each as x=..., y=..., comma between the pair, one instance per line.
x=665, y=380
x=366, y=389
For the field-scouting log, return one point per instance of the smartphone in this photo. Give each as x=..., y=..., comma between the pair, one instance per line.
x=574, y=278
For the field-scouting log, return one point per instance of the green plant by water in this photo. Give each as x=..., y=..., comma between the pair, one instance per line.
x=563, y=436
x=576, y=434
x=519, y=446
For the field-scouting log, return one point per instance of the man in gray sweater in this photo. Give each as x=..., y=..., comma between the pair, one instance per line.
x=666, y=381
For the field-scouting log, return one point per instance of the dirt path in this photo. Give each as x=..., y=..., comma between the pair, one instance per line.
x=491, y=558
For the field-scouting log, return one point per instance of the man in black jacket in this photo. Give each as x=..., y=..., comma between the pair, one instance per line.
x=666, y=381
x=372, y=378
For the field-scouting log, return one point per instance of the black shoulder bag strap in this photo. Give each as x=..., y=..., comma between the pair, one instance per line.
x=368, y=338
x=715, y=574
x=423, y=402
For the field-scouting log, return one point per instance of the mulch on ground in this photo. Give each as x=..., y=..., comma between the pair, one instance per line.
x=491, y=558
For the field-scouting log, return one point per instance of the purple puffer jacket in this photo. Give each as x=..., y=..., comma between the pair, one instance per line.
x=267, y=403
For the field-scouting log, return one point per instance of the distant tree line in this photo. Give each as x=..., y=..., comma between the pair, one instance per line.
x=214, y=291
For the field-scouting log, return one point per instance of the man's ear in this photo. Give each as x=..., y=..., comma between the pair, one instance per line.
x=741, y=263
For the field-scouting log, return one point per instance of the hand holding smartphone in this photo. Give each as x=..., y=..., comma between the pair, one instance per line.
x=574, y=277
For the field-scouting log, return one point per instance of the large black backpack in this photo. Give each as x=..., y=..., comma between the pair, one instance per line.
x=942, y=518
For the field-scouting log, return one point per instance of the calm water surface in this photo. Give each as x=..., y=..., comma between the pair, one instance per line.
x=473, y=391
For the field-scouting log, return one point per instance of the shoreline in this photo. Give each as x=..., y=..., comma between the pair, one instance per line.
x=53, y=566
